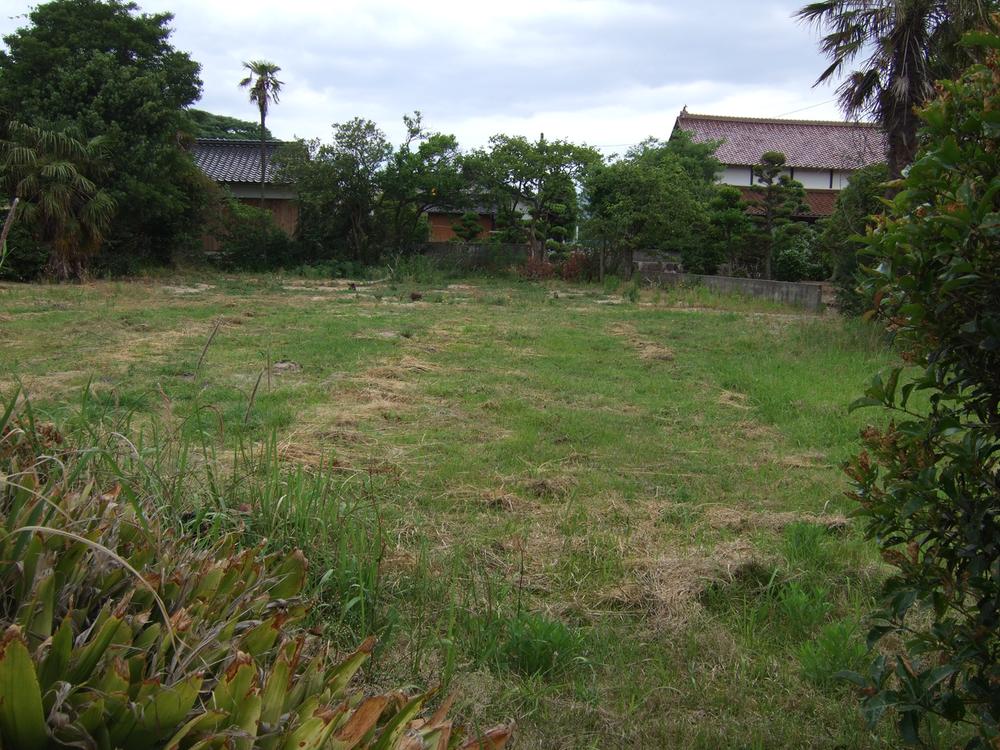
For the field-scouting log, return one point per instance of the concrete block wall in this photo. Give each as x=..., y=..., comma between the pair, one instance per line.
x=804, y=294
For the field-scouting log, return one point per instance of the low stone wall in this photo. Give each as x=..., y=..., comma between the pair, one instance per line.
x=475, y=256
x=805, y=294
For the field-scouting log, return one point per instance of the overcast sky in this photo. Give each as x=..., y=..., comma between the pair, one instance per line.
x=604, y=72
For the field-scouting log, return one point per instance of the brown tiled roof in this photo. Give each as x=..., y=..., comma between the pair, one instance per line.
x=805, y=143
x=234, y=161
x=820, y=202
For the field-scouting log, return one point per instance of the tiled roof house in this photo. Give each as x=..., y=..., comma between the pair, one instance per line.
x=236, y=165
x=821, y=155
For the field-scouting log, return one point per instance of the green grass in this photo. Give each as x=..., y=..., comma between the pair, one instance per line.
x=614, y=514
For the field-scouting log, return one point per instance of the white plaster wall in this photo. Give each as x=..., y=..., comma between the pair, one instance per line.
x=814, y=179
x=840, y=180
x=735, y=176
x=243, y=190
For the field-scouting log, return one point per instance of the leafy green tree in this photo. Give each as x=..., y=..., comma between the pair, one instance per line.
x=927, y=482
x=531, y=183
x=101, y=68
x=51, y=175
x=360, y=196
x=795, y=253
x=856, y=207
x=340, y=191
x=698, y=160
x=208, y=125
x=424, y=171
x=265, y=88
x=645, y=202
x=729, y=227
x=904, y=46
x=781, y=198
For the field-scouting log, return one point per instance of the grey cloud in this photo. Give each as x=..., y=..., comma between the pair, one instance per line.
x=378, y=60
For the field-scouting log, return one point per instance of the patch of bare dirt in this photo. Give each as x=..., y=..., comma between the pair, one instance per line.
x=285, y=366
x=190, y=289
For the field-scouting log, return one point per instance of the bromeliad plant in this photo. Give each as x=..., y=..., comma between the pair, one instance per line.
x=118, y=634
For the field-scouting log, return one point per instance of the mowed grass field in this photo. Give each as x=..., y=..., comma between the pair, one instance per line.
x=621, y=523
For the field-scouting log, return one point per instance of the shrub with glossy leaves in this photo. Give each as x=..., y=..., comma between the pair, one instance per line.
x=118, y=634
x=929, y=482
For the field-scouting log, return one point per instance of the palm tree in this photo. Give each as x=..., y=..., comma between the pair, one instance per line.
x=905, y=45
x=264, y=89
x=46, y=173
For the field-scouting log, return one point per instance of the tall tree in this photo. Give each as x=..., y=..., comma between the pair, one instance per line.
x=340, y=190
x=50, y=175
x=528, y=181
x=729, y=228
x=264, y=89
x=646, y=201
x=102, y=68
x=781, y=198
x=903, y=46
x=841, y=240
x=424, y=171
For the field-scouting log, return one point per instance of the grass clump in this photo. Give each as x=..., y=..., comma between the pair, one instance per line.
x=536, y=644
x=803, y=608
x=120, y=631
x=837, y=648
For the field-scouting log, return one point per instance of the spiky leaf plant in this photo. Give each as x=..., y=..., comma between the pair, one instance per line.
x=118, y=634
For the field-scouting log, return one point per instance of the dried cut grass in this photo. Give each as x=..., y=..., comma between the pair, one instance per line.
x=669, y=589
x=807, y=460
x=331, y=285
x=401, y=369
x=733, y=400
x=376, y=395
x=192, y=289
x=737, y=520
x=309, y=455
x=750, y=430
x=549, y=486
x=647, y=349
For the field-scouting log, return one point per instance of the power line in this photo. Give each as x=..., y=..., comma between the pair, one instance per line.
x=811, y=106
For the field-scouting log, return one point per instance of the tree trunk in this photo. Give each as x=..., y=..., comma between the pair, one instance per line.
x=8, y=223
x=263, y=165
x=902, y=147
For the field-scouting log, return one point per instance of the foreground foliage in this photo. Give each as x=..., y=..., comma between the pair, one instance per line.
x=119, y=633
x=928, y=484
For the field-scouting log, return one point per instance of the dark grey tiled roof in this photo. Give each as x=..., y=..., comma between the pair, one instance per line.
x=805, y=143
x=234, y=161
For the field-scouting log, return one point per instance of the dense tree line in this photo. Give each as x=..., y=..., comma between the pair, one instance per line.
x=114, y=109
x=95, y=87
